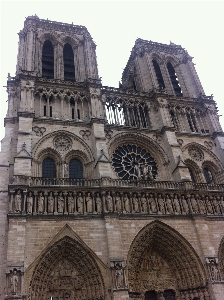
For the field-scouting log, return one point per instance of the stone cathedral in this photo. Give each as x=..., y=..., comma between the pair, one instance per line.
x=109, y=193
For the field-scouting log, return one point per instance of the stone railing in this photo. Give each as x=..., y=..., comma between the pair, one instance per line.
x=109, y=182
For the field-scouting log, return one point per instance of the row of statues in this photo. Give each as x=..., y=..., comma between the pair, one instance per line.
x=89, y=203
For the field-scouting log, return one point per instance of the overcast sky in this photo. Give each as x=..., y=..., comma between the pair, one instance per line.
x=115, y=25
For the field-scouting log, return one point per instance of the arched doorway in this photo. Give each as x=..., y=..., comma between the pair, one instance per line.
x=67, y=271
x=163, y=265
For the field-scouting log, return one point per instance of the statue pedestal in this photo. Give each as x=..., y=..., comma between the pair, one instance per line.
x=120, y=294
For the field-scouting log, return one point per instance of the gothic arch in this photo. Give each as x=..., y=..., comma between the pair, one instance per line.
x=85, y=148
x=48, y=36
x=67, y=266
x=158, y=57
x=173, y=60
x=145, y=142
x=212, y=168
x=74, y=42
x=182, y=263
x=195, y=170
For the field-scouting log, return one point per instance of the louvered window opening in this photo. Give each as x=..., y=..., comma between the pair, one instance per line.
x=174, y=80
x=69, y=68
x=48, y=60
x=48, y=168
x=158, y=74
x=75, y=169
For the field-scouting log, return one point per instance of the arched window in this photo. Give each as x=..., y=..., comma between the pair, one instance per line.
x=174, y=80
x=158, y=74
x=48, y=168
x=174, y=119
x=192, y=175
x=150, y=295
x=208, y=176
x=48, y=60
x=69, y=68
x=75, y=169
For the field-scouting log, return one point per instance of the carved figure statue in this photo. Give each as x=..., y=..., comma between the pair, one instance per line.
x=70, y=203
x=176, y=204
x=161, y=204
x=126, y=203
x=209, y=205
x=169, y=204
x=61, y=203
x=201, y=205
x=138, y=171
x=147, y=172
x=214, y=272
x=135, y=203
x=29, y=203
x=144, y=203
x=184, y=204
x=40, y=209
x=118, y=202
x=80, y=203
x=89, y=204
x=118, y=276
x=98, y=204
x=109, y=202
x=14, y=283
x=210, y=177
x=194, y=204
x=222, y=204
x=216, y=206
x=50, y=200
x=152, y=203
x=18, y=201
x=66, y=170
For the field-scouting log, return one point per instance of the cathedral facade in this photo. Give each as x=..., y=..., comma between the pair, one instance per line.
x=109, y=193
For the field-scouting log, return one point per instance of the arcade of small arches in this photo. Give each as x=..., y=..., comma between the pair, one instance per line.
x=154, y=269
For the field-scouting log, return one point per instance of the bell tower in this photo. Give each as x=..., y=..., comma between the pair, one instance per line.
x=109, y=193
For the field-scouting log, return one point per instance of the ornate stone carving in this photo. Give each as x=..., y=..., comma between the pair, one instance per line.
x=126, y=203
x=135, y=203
x=39, y=130
x=61, y=203
x=85, y=134
x=62, y=143
x=196, y=154
x=117, y=267
x=109, y=202
x=40, y=208
x=50, y=201
x=18, y=201
x=70, y=203
x=118, y=206
x=131, y=162
x=80, y=203
x=208, y=145
x=29, y=203
x=89, y=203
x=212, y=265
x=98, y=204
x=108, y=133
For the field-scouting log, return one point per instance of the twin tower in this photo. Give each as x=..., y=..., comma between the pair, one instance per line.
x=109, y=193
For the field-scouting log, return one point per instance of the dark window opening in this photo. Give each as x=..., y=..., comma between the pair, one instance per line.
x=158, y=74
x=174, y=80
x=174, y=120
x=51, y=111
x=48, y=168
x=73, y=113
x=169, y=295
x=75, y=169
x=69, y=68
x=45, y=110
x=192, y=122
x=48, y=60
x=192, y=176
x=208, y=176
x=150, y=295
x=78, y=113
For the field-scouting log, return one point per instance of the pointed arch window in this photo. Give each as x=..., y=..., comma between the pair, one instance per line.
x=75, y=169
x=48, y=168
x=192, y=175
x=158, y=74
x=69, y=67
x=208, y=176
x=174, y=80
x=48, y=60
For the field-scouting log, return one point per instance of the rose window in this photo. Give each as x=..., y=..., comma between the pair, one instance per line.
x=62, y=143
x=132, y=162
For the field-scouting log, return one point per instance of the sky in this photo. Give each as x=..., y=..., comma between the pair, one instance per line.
x=115, y=25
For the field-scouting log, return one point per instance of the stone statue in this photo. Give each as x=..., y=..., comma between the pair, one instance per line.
x=209, y=205
x=80, y=203
x=201, y=206
x=50, y=200
x=184, y=204
x=119, y=278
x=89, y=204
x=61, y=203
x=210, y=177
x=70, y=203
x=194, y=204
x=109, y=202
x=135, y=203
x=152, y=203
x=138, y=171
x=176, y=204
x=14, y=283
x=222, y=204
x=169, y=204
x=216, y=206
x=98, y=204
x=126, y=203
x=40, y=208
x=18, y=201
x=144, y=203
x=214, y=272
x=161, y=204
x=29, y=203
x=147, y=172
x=118, y=203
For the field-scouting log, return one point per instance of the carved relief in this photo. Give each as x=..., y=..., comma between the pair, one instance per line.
x=62, y=143
x=196, y=154
x=85, y=134
x=39, y=130
x=212, y=265
x=118, y=273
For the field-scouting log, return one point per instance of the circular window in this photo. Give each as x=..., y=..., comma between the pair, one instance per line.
x=62, y=143
x=132, y=162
